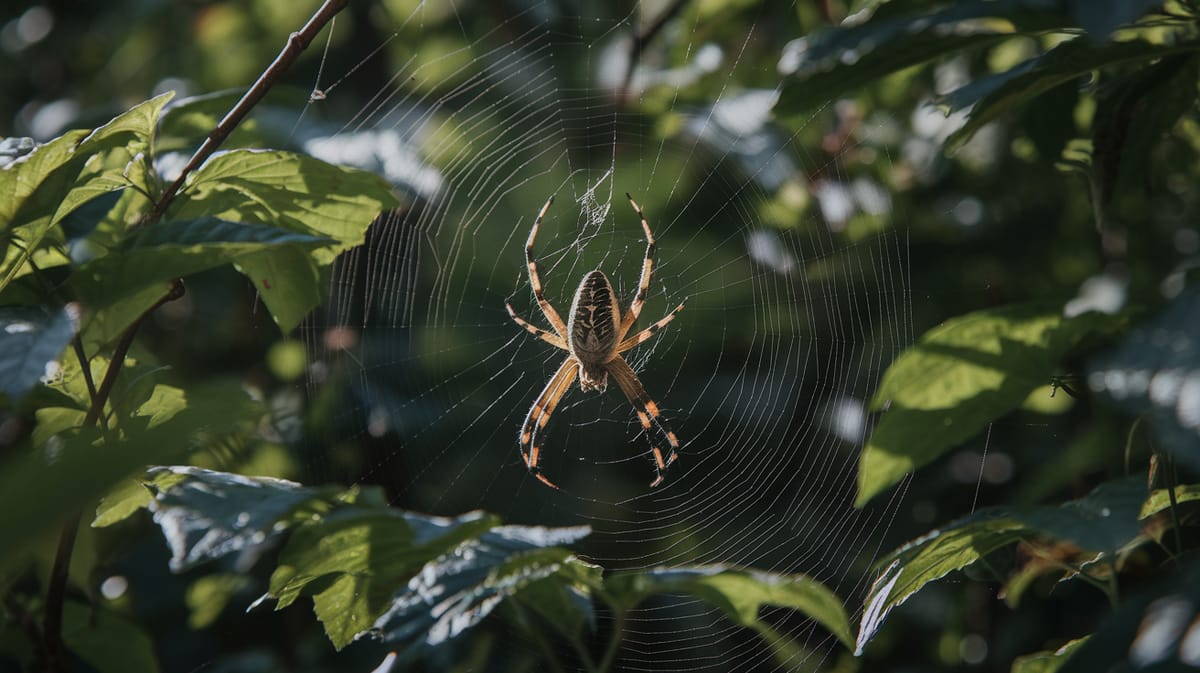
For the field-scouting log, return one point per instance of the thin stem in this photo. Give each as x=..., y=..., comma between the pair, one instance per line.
x=57, y=589
x=297, y=43
x=642, y=39
x=614, y=643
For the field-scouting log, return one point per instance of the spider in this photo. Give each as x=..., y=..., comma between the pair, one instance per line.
x=594, y=339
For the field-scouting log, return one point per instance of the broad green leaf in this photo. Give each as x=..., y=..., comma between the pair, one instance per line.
x=1160, y=499
x=959, y=377
x=60, y=176
x=1049, y=661
x=455, y=591
x=998, y=94
x=288, y=280
x=739, y=593
x=207, y=597
x=208, y=514
x=1102, y=521
x=161, y=252
x=108, y=642
x=564, y=602
x=31, y=339
x=288, y=190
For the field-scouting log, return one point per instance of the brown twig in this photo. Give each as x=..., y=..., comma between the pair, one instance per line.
x=56, y=592
x=297, y=43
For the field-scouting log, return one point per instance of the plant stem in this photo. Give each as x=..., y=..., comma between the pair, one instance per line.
x=297, y=43
x=57, y=589
x=614, y=642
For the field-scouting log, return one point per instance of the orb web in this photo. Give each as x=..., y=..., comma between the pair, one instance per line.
x=780, y=244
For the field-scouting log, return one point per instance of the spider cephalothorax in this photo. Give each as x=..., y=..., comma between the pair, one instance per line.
x=594, y=338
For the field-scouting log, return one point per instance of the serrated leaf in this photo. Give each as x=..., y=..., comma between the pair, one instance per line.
x=30, y=339
x=998, y=94
x=455, y=591
x=1102, y=521
x=107, y=641
x=208, y=514
x=959, y=377
x=739, y=593
x=290, y=191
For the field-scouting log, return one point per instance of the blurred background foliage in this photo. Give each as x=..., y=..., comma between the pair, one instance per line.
x=1068, y=197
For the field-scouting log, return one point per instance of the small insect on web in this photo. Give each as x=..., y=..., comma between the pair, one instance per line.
x=594, y=338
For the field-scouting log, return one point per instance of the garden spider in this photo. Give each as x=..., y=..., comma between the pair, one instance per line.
x=594, y=339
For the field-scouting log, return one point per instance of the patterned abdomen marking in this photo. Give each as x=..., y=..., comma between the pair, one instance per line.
x=592, y=328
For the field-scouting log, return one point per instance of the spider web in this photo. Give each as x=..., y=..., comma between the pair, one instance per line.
x=764, y=376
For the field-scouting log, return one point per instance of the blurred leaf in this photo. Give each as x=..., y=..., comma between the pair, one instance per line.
x=995, y=95
x=30, y=339
x=207, y=597
x=288, y=190
x=1151, y=630
x=1103, y=521
x=1160, y=499
x=1048, y=661
x=1101, y=17
x=40, y=489
x=844, y=59
x=208, y=514
x=44, y=182
x=566, y=606
x=120, y=503
x=107, y=641
x=1133, y=113
x=738, y=593
x=958, y=378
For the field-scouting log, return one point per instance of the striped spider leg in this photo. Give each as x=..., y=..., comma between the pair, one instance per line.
x=594, y=337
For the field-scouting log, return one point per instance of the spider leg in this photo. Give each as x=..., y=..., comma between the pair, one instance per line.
x=547, y=336
x=539, y=415
x=645, y=334
x=647, y=412
x=535, y=280
x=639, y=299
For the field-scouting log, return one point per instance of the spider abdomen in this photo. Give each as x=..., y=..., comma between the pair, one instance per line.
x=592, y=327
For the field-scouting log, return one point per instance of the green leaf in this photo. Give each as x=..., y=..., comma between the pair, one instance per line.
x=107, y=641
x=739, y=593
x=58, y=177
x=121, y=503
x=844, y=59
x=207, y=597
x=1048, y=661
x=998, y=94
x=36, y=493
x=289, y=282
x=207, y=514
x=958, y=378
x=455, y=591
x=1104, y=520
x=1160, y=499
x=161, y=252
x=289, y=190
x=564, y=601
x=30, y=339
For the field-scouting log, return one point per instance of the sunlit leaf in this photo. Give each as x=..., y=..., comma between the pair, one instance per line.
x=958, y=378
x=1160, y=499
x=1102, y=521
x=1048, y=661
